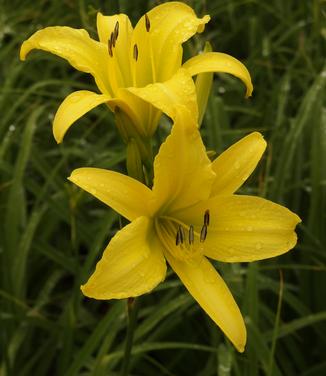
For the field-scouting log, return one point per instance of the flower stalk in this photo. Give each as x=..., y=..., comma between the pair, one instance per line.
x=132, y=309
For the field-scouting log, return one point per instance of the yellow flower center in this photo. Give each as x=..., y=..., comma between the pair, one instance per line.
x=180, y=239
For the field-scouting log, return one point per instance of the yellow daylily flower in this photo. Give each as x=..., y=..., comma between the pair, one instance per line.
x=191, y=214
x=126, y=58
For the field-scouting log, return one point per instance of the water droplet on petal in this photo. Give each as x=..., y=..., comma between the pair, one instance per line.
x=258, y=246
x=210, y=276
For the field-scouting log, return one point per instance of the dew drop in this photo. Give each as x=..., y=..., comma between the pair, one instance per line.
x=74, y=99
x=209, y=276
x=258, y=246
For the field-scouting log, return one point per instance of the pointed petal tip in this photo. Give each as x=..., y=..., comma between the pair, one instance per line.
x=203, y=21
x=73, y=174
x=23, y=51
x=259, y=136
x=57, y=136
x=82, y=287
x=240, y=347
x=240, y=342
x=250, y=89
x=58, y=139
x=90, y=292
x=99, y=14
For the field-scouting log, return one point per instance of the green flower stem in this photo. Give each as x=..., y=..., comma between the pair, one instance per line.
x=133, y=307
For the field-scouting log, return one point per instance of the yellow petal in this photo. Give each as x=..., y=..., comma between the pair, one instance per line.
x=159, y=49
x=74, y=45
x=107, y=25
x=144, y=115
x=125, y=195
x=204, y=83
x=208, y=288
x=131, y=265
x=219, y=62
x=170, y=95
x=182, y=170
x=243, y=228
x=235, y=165
x=74, y=107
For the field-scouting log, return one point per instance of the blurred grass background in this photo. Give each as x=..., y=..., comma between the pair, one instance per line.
x=51, y=233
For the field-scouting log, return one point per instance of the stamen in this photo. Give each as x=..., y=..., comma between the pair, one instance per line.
x=177, y=239
x=180, y=236
x=116, y=31
x=112, y=41
x=203, y=233
x=206, y=218
x=136, y=52
x=110, y=47
x=147, y=23
x=191, y=234
x=182, y=233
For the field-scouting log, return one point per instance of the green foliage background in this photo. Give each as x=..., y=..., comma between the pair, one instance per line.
x=51, y=233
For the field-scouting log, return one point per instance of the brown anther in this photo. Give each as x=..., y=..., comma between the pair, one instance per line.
x=110, y=47
x=191, y=234
x=147, y=23
x=136, y=52
x=203, y=233
x=206, y=218
x=112, y=40
x=116, y=31
x=180, y=236
x=182, y=233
